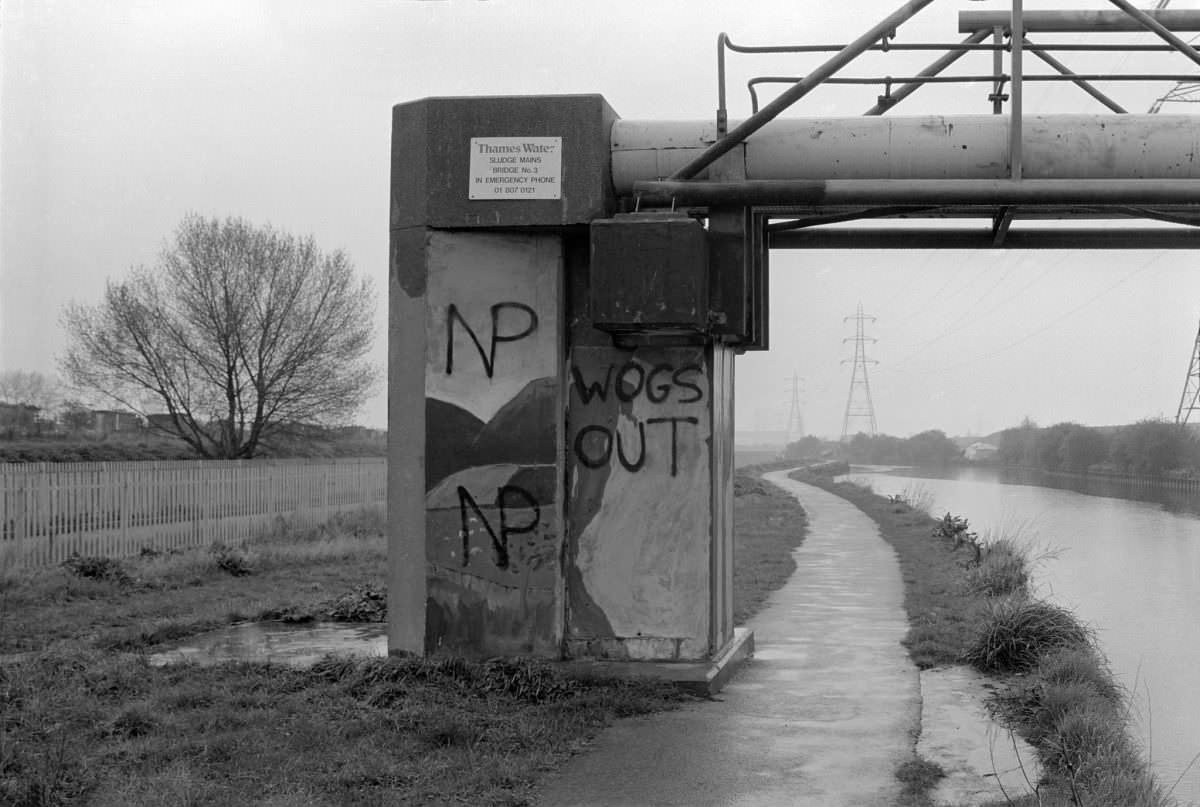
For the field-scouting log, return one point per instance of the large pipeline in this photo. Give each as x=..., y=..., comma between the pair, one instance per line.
x=929, y=147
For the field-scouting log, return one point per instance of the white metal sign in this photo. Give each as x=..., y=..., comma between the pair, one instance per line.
x=516, y=168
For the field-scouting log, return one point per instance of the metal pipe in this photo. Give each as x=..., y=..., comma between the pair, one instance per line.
x=932, y=70
x=1098, y=145
x=850, y=215
x=1151, y=24
x=1016, y=38
x=892, y=238
x=1077, y=21
x=1079, y=82
x=923, y=192
x=980, y=78
x=998, y=69
x=918, y=46
x=1080, y=79
x=722, y=112
x=802, y=88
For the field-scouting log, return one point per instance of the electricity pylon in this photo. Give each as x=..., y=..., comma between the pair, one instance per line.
x=795, y=421
x=1188, y=401
x=858, y=402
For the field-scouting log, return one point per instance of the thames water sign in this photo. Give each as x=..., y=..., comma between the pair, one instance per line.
x=516, y=168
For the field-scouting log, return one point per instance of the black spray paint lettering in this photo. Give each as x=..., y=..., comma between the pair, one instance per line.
x=597, y=451
x=488, y=357
x=631, y=379
x=504, y=494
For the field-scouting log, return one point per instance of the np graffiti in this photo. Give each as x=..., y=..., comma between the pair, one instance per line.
x=632, y=379
x=595, y=445
x=520, y=322
x=508, y=499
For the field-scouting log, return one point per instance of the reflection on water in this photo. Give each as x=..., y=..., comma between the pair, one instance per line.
x=1173, y=501
x=1127, y=564
x=298, y=645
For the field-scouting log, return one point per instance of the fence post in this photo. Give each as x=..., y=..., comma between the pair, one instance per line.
x=21, y=523
x=326, y=481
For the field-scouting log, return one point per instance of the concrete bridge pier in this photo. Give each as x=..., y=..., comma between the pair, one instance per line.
x=560, y=417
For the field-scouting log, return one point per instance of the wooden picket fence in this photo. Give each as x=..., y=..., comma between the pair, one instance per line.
x=49, y=511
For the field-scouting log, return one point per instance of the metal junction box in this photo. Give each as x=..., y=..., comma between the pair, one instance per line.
x=649, y=278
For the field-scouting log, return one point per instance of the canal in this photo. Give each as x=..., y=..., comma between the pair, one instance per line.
x=1129, y=567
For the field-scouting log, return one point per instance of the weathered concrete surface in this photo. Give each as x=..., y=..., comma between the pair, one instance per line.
x=823, y=715
x=984, y=763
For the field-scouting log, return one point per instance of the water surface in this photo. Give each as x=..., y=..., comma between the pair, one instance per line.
x=297, y=645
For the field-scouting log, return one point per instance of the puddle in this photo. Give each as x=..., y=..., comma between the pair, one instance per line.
x=278, y=642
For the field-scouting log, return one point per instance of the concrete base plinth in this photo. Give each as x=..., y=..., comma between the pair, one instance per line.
x=697, y=677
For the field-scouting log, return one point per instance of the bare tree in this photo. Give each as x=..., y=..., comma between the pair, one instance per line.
x=238, y=333
x=28, y=388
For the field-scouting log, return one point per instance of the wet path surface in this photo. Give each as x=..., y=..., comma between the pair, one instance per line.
x=823, y=714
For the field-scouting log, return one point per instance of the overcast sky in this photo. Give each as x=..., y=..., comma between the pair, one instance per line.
x=118, y=118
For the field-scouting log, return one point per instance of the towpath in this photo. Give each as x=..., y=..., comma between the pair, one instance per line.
x=823, y=715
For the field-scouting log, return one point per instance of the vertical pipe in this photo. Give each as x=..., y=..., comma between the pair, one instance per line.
x=722, y=112
x=997, y=70
x=932, y=70
x=1016, y=37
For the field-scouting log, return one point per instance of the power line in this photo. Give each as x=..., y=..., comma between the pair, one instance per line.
x=976, y=318
x=1058, y=320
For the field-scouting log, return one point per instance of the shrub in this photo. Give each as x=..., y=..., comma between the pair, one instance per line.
x=1002, y=569
x=1079, y=665
x=95, y=567
x=746, y=485
x=1017, y=632
x=230, y=560
x=365, y=603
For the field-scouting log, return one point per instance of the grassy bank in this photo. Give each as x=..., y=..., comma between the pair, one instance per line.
x=84, y=719
x=968, y=601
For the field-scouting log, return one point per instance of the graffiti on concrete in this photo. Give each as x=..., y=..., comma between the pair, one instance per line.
x=664, y=385
x=633, y=379
x=493, y=405
x=468, y=507
x=488, y=357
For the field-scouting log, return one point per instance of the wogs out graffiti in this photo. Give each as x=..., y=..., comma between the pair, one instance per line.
x=663, y=384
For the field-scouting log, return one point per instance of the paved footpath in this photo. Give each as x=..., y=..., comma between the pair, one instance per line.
x=823, y=714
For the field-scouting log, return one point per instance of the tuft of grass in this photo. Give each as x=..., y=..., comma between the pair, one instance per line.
x=918, y=777
x=1002, y=569
x=365, y=603
x=94, y=567
x=1018, y=631
x=234, y=562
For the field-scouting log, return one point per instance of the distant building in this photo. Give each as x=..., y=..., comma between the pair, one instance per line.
x=20, y=420
x=981, y=452
x=161, y=420
x=108, y=421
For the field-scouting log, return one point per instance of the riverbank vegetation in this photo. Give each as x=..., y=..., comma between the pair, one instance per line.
x=86, y=719
x=968, y=600
x=928, y=449
x=1145, y=448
